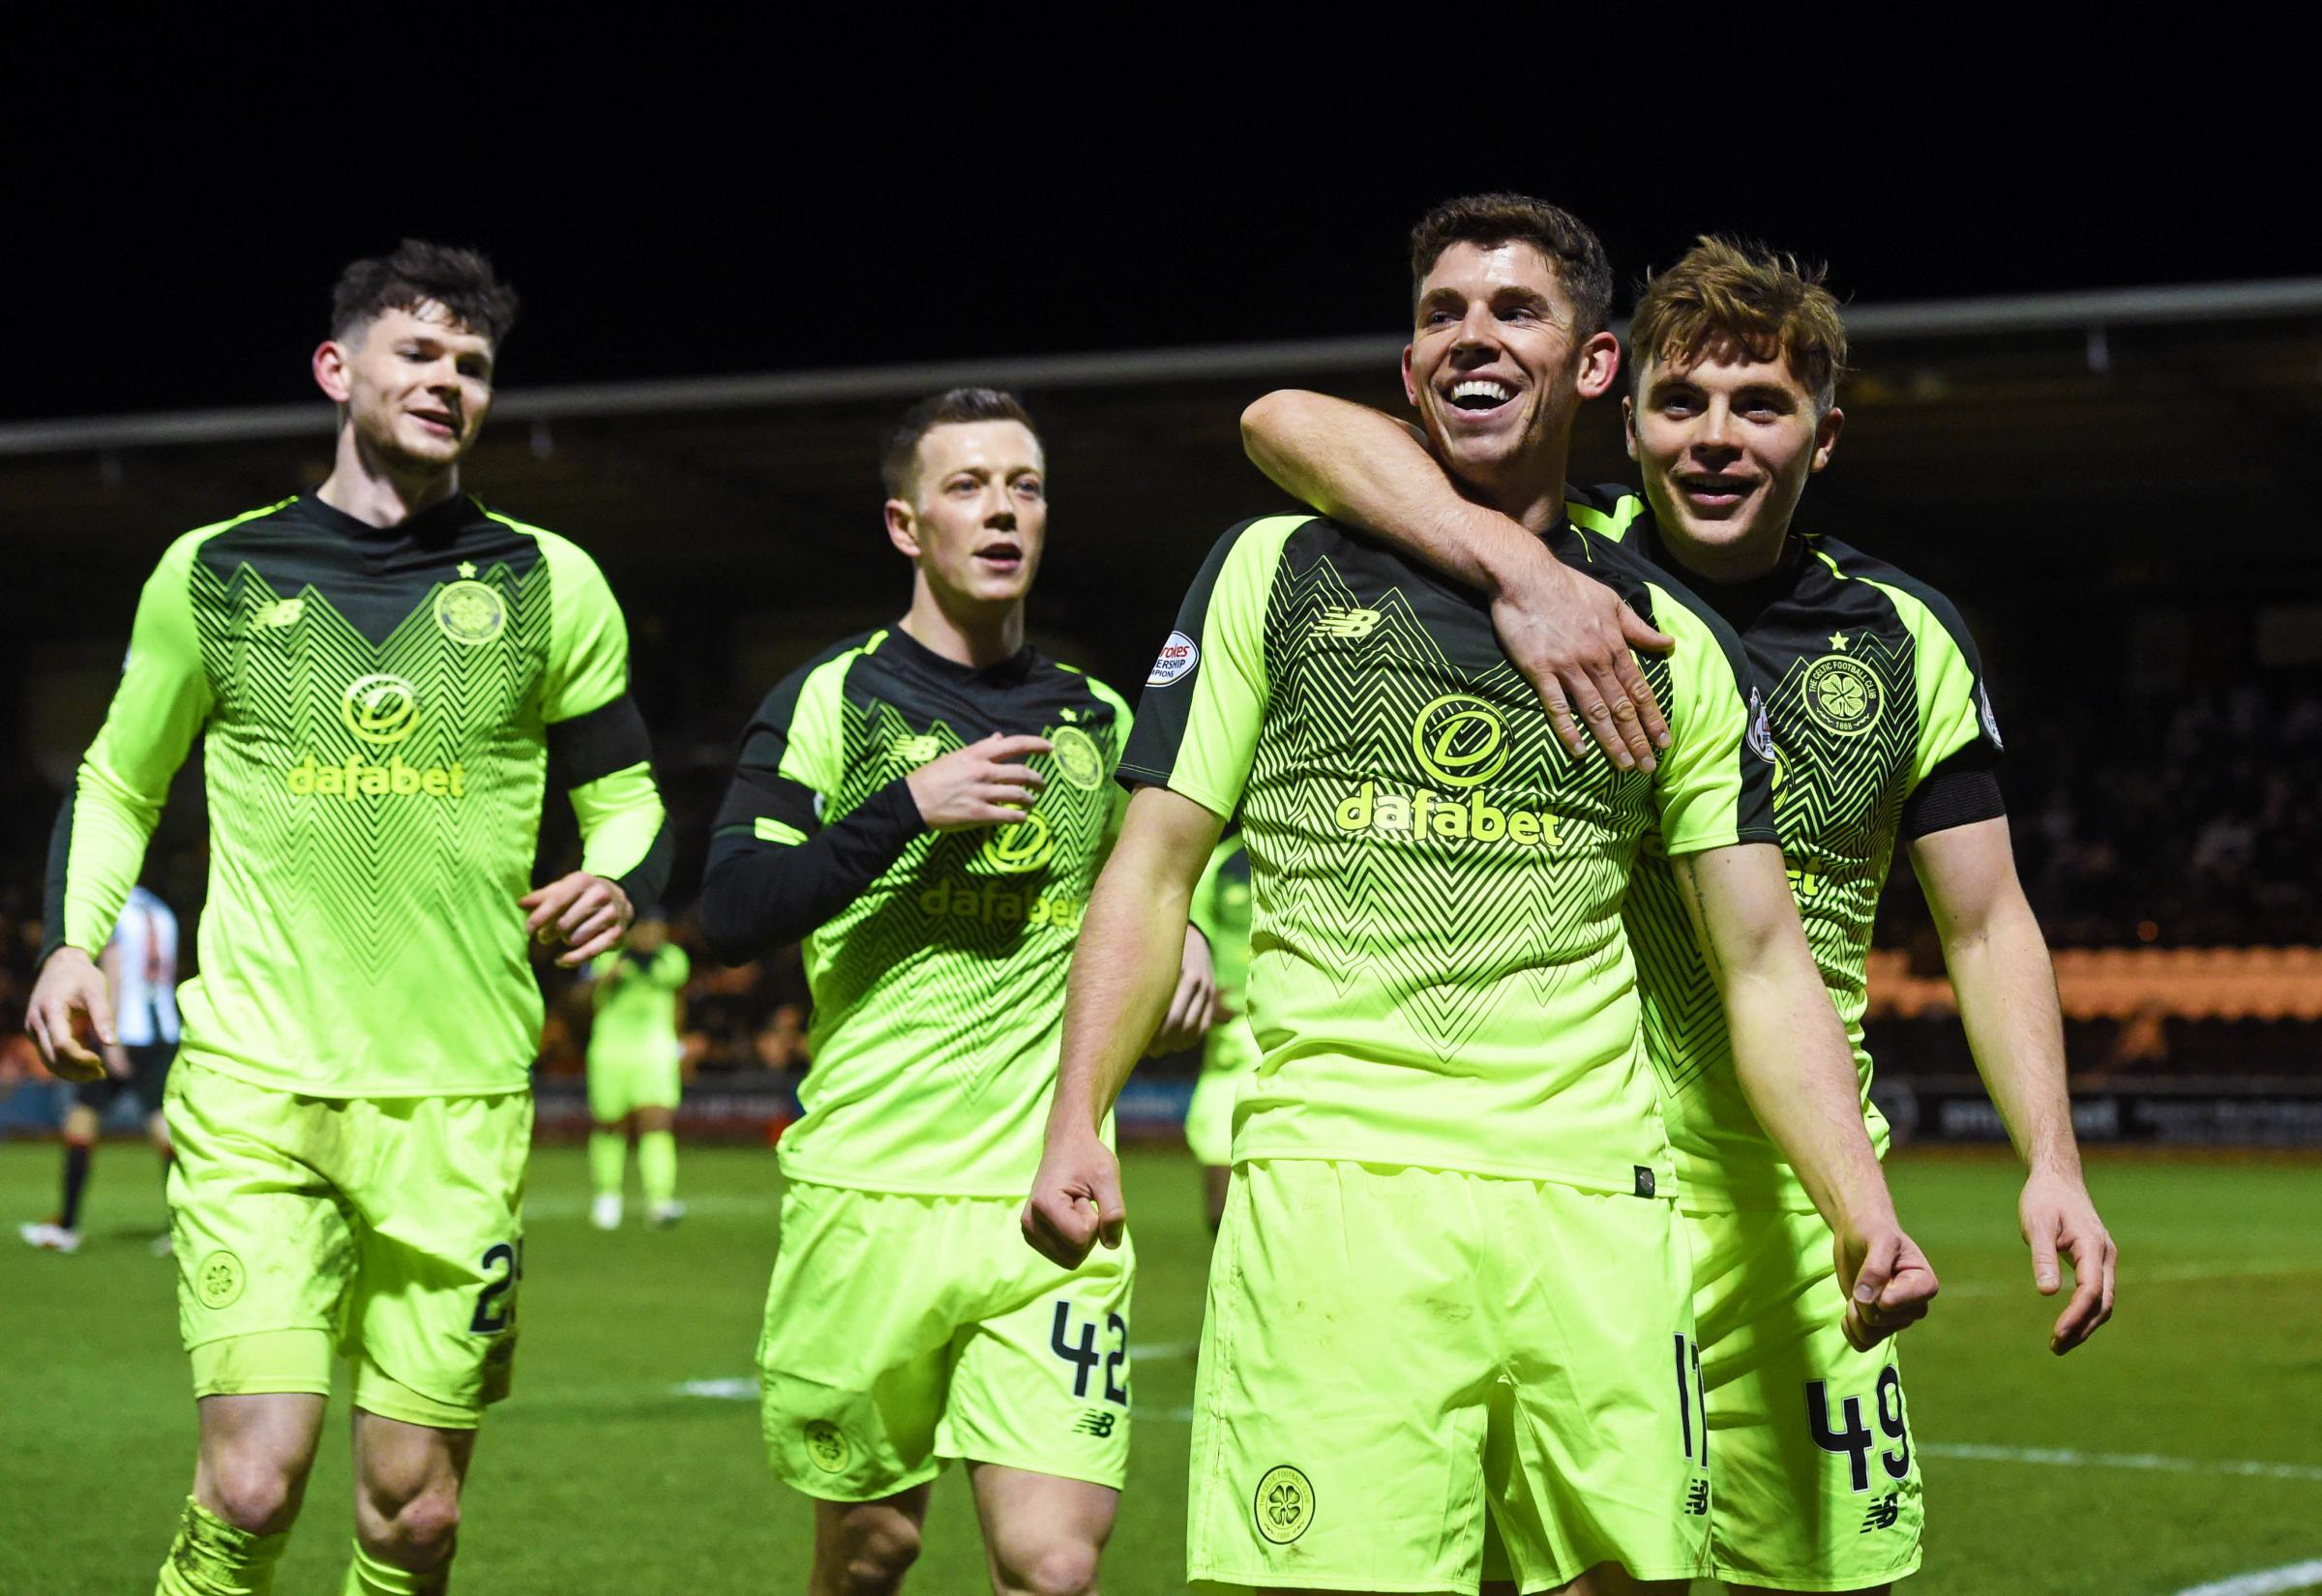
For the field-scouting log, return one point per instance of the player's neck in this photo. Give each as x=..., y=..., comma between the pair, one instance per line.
x=363, y=485
x=1759, y=554
x=972, y=634
x=1530, y=491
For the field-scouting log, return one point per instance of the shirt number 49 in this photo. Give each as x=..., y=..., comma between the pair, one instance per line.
x=1855, y=1442
x=1082, y=1352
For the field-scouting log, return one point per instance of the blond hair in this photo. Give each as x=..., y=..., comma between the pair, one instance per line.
x=1725, y=293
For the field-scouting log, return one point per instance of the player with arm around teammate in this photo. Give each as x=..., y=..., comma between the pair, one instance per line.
x=926, y=805
x=386, y=677
x=1881, y=724
x=1451, y=1163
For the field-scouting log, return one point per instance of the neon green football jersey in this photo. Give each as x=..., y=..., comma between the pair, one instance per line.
x=938, y=987
x=638, y=1007
x=1875, y=703
x=1438, y=971
x=377, y=709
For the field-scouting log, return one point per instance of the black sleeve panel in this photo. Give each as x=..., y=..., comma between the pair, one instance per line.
x=759, y=895
x=608, y=738
x=1960, y=792
x=650, y=881
x=60, y=848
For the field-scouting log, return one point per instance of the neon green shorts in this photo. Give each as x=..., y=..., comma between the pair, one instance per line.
x=620, y=1085
x=1816, y=1480
x=905, y=1331
x=1228, y=1057
x=388, y=1231
x=1413, y=1380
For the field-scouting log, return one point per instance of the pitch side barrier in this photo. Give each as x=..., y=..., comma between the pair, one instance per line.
x=2217, y=1112
x=2250, y=1111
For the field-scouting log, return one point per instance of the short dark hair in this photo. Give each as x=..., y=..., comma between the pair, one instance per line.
x=460, y=280
x=945, y=409
x=1576, y=252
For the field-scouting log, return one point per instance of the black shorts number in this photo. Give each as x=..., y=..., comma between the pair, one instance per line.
x=1692, y=1401
x=1856, y=1440
x=1082, y=1354
x=495, y=1304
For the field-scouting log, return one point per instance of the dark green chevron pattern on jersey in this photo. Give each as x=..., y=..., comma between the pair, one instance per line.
x=430, y=740
x=1845, y=725
x=1449, y=930
x=964, y=922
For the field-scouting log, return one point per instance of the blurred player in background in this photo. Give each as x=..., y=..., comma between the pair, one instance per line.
x=634, y=1053
x=1880, y=724
x=1449, y=1332
x=1221, y=913
x=927, y=805
x=139, y=966
x=386, y=676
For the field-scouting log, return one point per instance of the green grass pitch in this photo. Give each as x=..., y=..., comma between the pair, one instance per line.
x=2189, y=1434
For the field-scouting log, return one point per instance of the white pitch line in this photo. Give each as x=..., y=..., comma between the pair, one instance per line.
x=2069, y=1458
x=1166, y=1351
x=2264, y=1583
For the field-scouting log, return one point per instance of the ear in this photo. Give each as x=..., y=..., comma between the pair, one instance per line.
x=1599, y=364
x=1628, y=423
x=903, y=528
x=1826, y=436
x=331, y=361
x=1411, y=386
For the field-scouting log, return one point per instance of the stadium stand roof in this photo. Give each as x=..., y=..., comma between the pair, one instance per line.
x=2136, y=423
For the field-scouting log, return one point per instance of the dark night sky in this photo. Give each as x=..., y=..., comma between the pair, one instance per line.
x=178, y=230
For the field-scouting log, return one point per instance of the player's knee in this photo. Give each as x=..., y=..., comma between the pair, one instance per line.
x=879, y=1554
x=416, y=1532
x=254, y=1494
x=1052, y=1568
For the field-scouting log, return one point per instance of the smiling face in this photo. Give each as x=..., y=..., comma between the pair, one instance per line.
x=1498, y=366
x=414, y=384
x=977, y=516
x=1726, y=443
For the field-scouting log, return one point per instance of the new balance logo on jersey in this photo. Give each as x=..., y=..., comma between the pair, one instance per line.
x=1697, y=1498
x=1345, y=623
x=1884, y=1514
x=1097, y=1422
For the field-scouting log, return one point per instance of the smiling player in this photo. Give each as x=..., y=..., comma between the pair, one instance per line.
x=384, y=676
x=1882, y=726
x=1449, y=1332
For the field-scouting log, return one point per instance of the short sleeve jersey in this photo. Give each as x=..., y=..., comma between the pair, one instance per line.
x=1872, y=683
x=939, y=992
x=1221, y=912
x=1438, y=971
x=374, y=708
x=637, y=1003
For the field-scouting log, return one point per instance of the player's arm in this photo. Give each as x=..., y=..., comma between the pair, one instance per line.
x=1715, y=795
x=602, y=756
x=2007, y=988
x=1124, y=969
x=1197, y=731
x=1570, y=637
x=776, y=872
x=1798, y=1072
x=107, y=819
